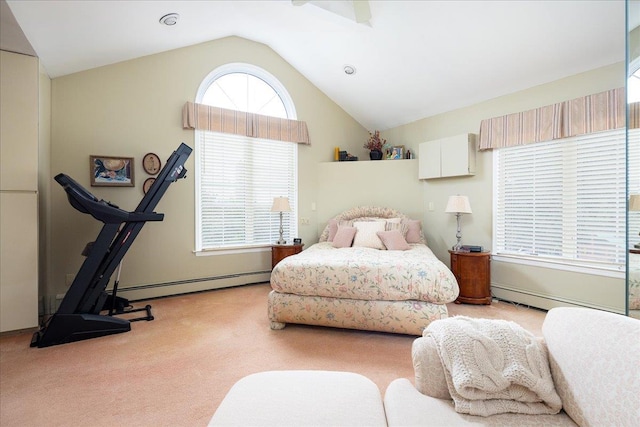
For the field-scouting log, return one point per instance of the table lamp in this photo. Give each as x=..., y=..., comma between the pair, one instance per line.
x=281, y=204
x=458, y=205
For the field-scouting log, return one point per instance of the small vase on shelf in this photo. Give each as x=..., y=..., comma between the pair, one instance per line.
x=375, y=155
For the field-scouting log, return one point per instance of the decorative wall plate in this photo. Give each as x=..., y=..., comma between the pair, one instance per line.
x=151, y=163
x=147, y=184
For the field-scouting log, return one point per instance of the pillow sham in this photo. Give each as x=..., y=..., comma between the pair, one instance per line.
x=344, y=237
x=401, y=227
x=394, y=220
x=393, y=240
x=366, y=234
x=414, y=230
x=333, y=229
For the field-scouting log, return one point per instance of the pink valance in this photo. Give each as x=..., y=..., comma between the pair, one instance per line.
x=594, y=113
x=215, y=119
x=634, y=115
x=541, y=124
x=588, y=114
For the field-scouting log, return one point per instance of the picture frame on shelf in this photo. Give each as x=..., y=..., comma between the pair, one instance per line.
x=396, y=152
x=110, y=171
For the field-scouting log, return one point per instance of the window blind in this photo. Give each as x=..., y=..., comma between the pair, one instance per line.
x=563, y=200
x=633, y=172
x=238, y=178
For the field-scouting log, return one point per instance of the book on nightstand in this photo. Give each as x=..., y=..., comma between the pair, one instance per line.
x=471, y=248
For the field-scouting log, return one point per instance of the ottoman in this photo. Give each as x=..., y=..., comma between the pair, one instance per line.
x=298, y=398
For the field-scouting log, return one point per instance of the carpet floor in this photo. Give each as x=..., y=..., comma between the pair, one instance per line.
x=176, y=369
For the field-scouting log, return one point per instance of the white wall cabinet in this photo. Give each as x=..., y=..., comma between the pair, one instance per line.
x=19, y=261
x=447, y=157
x=18, y=191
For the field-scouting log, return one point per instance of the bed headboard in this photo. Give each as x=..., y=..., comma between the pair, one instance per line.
x=366, y=212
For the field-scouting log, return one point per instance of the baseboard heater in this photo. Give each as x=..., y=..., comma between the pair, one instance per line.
x=196, y=280
x=545, y=302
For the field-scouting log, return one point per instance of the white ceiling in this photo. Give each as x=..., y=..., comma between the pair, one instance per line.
x=415, y=58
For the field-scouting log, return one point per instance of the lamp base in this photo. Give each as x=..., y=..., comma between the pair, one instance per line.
x=281, y=240
x=458, y=245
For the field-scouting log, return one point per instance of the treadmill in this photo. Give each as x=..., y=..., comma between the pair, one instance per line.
x=78, y=317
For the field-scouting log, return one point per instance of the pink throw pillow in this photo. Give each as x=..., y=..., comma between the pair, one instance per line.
x=344, y=237
x=333, y=229
x=414, y=231
x=393, y=240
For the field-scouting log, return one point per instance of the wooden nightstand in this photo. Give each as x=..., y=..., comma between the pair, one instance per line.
x=473, y=273
x=280, y=252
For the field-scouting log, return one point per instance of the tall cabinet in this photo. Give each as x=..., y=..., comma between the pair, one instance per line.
x=18, y=191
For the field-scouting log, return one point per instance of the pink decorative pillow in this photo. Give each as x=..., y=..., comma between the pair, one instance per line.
x=414, y=231
x=393, y=240
x=333, y=229
x=344, y=237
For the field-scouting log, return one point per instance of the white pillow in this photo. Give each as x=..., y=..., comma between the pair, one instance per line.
x=366, y=234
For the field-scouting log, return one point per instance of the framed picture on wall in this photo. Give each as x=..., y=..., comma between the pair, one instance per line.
x=108, y=171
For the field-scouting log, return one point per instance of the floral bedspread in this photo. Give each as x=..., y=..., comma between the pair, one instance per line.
x=366, y=274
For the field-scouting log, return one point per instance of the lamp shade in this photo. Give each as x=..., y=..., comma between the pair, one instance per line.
x=280, y=204
x=458, y=204
x=634, y=202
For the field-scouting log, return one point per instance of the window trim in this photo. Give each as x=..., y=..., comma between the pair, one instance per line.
x=241, y=67
x=278, y=87
x=544, y=262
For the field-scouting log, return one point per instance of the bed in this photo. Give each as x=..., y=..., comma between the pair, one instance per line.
x=382, y=284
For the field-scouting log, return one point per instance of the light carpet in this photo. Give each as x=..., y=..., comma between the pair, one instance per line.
x=176, y=369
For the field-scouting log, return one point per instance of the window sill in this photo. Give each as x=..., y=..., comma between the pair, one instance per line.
x=607, y=271
x=232, y=251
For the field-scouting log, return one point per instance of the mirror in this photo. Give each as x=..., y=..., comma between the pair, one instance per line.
x=633, y=158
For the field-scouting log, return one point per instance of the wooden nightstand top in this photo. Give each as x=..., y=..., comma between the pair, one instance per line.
x=483, y=253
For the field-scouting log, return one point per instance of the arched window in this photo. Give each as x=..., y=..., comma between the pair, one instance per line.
x=237, y=177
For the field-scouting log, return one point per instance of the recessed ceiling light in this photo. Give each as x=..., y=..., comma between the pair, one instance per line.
x=349, y=70
x=170, y=19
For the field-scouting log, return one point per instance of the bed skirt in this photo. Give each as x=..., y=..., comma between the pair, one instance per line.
x=400, y=317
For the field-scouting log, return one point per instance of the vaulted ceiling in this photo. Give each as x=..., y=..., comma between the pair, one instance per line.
x=413, y=59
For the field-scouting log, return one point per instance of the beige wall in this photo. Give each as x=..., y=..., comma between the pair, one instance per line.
x=344, y=185
x=134, y=107
x=533, y=285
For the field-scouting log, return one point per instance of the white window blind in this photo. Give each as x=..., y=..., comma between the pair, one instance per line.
x=563, y=201
x=238, y=178
x=633, y=171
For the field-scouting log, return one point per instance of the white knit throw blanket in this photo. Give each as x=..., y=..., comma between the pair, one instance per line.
x=494, y=367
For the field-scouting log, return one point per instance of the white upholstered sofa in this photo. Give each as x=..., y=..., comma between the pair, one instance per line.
x=594, y=358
